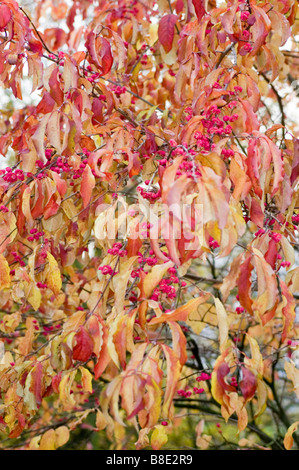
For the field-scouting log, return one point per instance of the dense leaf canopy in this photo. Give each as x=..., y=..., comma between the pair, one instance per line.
x=148, y=224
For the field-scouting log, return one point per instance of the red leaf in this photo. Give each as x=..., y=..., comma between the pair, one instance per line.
x=51, y=208
x=248, y=384
x=56, y=381
x=179, y=6
x=21, y=217
x=222, y=371
x=199, y=8
x=46, y=104
x=99, y=52
x=166, y=31
x=83, y=345
x=55, y=90
x=5, y=15
x=18, y=429
x=36, y=386
x=106, y=56
x=271, y=254
x=244, y=285
x=295, y=162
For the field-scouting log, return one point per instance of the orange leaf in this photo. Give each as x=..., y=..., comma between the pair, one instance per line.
x=173, y=374
x=87, y=185
x=244, y=285
x=5, y=280
x=181, y=313
x=288, y=438
x=179, y=342
x=103, y=357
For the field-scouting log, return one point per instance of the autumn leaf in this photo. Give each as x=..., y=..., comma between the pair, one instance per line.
x=5, y=280
x=159, y=437
x=99, y=52
x=288, y=438
x=248, y=384
x=181, y=313
x=54, y=438
x=87, y=185
x=293, y=375
x=5, y=15
x=148, y=223
x=223, y=324
x=166, y=31
x=82, y=345
x=199, y=6
x=53, y=277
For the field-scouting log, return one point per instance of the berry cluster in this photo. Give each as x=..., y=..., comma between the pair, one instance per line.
x=239, y=310
x=17, y=258
x=214, y=124
x=213, y=243
x=117, y=250
x=233, y=381
x=295, y=219
x=11, y=176
x=41, y=285
x=151, y=193
x=35, y=235
x=119, y=90
x=106, y=269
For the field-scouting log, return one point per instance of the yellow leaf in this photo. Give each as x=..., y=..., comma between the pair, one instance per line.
x=65, y=386
x=8, y=229
x=101, y=421
x=69, y=208
x=256, y=362
x=198, y=319
x=293, y=375
x=10, y=322
x=223, y=323
x=62, y=436
x=33, y=294
x=288, y=250
x=53, y=277
x=48, y=440
x=159, y=437
x=34, y=443
x=262, y=397
x=51, y=439
x=86, y=379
